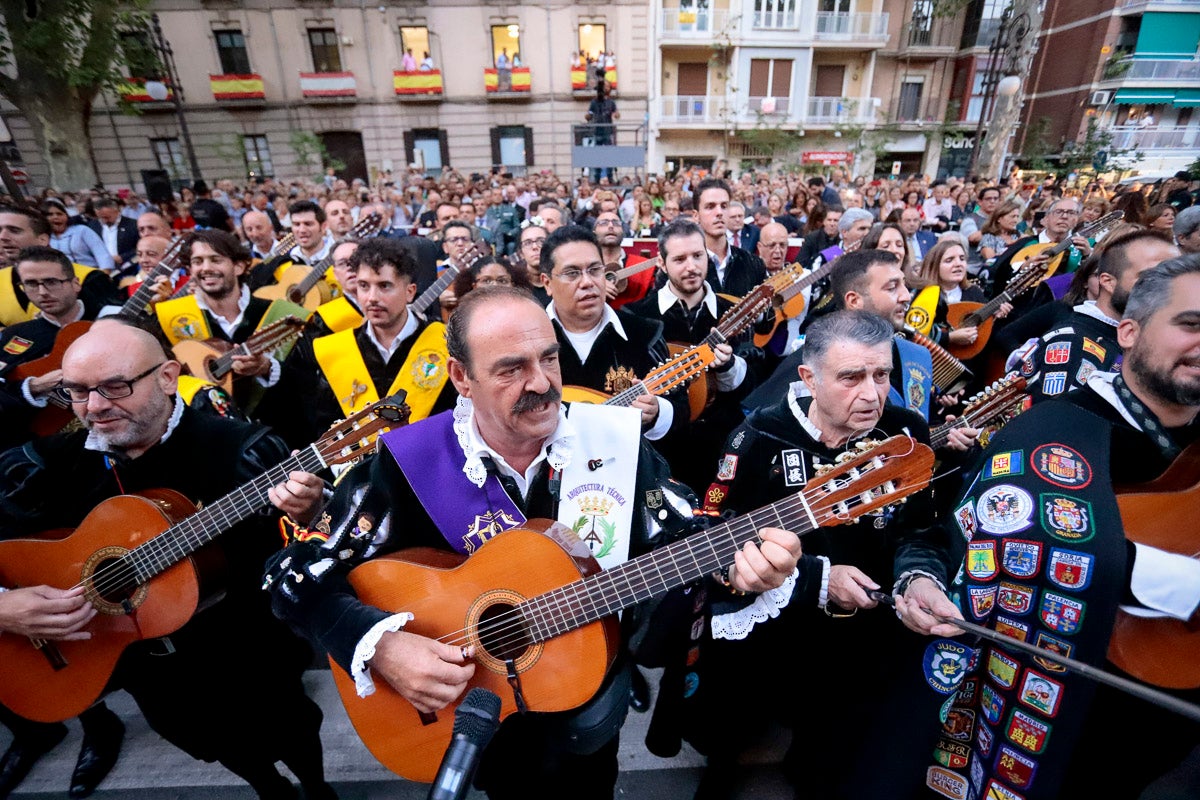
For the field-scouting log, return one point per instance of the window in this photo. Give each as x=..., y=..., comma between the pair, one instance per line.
x=835, y=6
x=920, y=33
x=417, y=40
x=770, y=85
x=140, y=55
x=506, y=46
x=592, y=41
x=231, y=50
x=909, y=107
x=258, y=156
x=428, y=148
x=775, y=13
x=323, y=43
x=512, y=148
x=169, y=156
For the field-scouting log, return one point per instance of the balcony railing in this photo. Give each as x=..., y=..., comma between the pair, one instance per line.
x=1152, y=69
x=583, y=79
x=692, y=22
x=834, y=110
x=692, y=109
x=777, y=20
x=856, y=27
x=328, y=85
x=227, y=88
x=417, y=83
x=770, y=105
x=507, y=81
x=1132, y=137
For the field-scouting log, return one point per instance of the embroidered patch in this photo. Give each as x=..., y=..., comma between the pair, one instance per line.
x=983, y=600
x=946, y=783
x=981, y=560
x=1015, y=768
x=429, y=369
x=737, y=440
x=1002, y=668
x=714, y=497
x=1003, y=465
x=1094, y=349
x=691, y=682
x=1054, y=383
x=1086, y=368
x=1061, y=466
x=1028, y=366
x=1027, y=732
x=950, y=753
x=185, y=326
x=977, y=774
x=794, y=471
x=1054, y=645
x=1070, y=569
x=945, y=664
x=917, y=317
x=964, y=515
x=17, y=345
x=1021, y=558
x=654, y=499
x=1004, y=509
x=1012, y=629
x=1041, y=693
x=1015, y=598
x=967, y=689
x=1067, y=518
x=960, y=724
x=991, y=704
x=916, y=389
x=727, y=468
x=1057, y=353
x=1060, y=613
x=985, y=739
x=697, y=628
x=693, y=656
x=618, y=379
x=219, y=401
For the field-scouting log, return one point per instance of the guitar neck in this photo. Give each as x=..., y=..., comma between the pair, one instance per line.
x=173, y=545
x=430, y=295
x=263, y=341
x=788, y=292
x=138, y=303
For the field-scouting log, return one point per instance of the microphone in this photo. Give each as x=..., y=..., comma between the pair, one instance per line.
x=475, y=721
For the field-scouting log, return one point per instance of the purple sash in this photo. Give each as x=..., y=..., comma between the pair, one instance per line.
x=430, y=457
x=830, y=253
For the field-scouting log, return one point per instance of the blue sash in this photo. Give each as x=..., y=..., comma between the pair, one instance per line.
x=430, y=457
x=916, y=376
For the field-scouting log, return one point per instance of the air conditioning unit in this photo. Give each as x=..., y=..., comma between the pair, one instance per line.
x=1101, y=98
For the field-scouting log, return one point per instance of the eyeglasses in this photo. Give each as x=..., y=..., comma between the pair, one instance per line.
x=342, y=263
x=458, y=239
x=573, y=275
x=535, y=243
x=49, y=284
x=110, y=390
x=1064, y=212
x=496, y=281
x=608, y=223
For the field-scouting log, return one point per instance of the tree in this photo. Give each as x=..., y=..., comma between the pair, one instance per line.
x=64, y=53
x=311, y=155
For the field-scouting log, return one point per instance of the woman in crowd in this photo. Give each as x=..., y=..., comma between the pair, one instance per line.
x=888, y=236
x=1160, y=217
x=945, y=266
x=646, y=221
x=80, y=243
x=1000, y=230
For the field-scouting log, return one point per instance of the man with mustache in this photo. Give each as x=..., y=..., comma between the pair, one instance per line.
x=508, y=453
x=327, y=378
x=1065, y=568
x=223, y=686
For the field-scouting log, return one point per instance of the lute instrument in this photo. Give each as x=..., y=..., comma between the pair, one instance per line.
x=1002, y=399
x=551, y=633
x=305, y=285
x=212, y=359
x=135, y=556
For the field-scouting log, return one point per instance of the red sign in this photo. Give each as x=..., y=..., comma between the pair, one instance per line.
x=20, y=176
x=826, y=157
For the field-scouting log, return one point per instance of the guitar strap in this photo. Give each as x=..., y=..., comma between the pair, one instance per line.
x=422, y=376
x=340, y=314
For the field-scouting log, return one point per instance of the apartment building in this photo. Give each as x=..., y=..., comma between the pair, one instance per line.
x=257, y=76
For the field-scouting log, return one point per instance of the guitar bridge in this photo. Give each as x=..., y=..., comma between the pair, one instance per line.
x=514, y=680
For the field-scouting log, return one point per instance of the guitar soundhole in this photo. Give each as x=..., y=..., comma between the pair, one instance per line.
x=114, y=580
x=502, y=632
x=111, y=583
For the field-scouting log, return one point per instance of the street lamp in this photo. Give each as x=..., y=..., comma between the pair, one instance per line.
x=1003, y=59
x=158, y=90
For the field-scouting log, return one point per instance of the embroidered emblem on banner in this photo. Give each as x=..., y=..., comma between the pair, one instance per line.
x=1021, y=558
x=983, y=600
x=981, y=560
x=946, y=783
x=594, y=527
x=1061, y=613
x=794, y=471
x=1054, y=645
x=1054, y=383
x=727, y=468
x=1057, y=353
x=1003, y=465
x=1069, y=569
x=1061, y=466
x=1027, y=732
x=428, y=369
x=916, y=389
x=1002, y=668
x=991, y=704
x=964, y=515
x=1040, y=693
x=185, y=326
x=1004, y=509
x=1067, y=518
x=1015, y=768
x=1094, y=349
x=486, y=526
x=945, y=664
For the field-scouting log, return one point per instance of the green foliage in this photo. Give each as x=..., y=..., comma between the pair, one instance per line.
x=1194, y=167
x=311, y=155
x=1037, y=145
x=1078, y=156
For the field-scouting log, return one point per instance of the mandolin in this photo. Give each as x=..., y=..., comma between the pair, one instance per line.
x=1001, y=400
x=552, y=632
x=305, y=285
x=135, y=556
x=212, y=359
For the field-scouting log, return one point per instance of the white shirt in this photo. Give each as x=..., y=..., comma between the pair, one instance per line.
x=731, y=378
x=229, y=326
x=109, y=234
x=410, y=327
x=721, y=264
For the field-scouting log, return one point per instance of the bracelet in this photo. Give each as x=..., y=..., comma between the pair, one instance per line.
x=723, y=578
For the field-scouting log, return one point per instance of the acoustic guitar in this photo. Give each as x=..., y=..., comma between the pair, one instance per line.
x=551, y=633
x=57, y=414
x=1001, y=400
x=619, y=276
x=470, y=257
x=135, y=556
x=212, y=359
x=141, y=302
x=789, y=300
x=1026, y=276
x=305, y=285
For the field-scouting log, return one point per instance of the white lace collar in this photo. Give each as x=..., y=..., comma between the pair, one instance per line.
x=1090, y=308
x=556, y=449
x=802, y=418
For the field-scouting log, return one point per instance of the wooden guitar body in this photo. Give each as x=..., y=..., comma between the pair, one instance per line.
x=55, y=416
x=701, y=392
x=582, y=394
x=61, y=679
x=452, y=600
x=289, y=288
x=955, y=314
x=1161, y=651
x=197, y=357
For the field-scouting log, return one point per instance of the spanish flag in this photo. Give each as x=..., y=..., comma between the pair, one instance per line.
x=520, y=80
x=419, y=82
x=237, y=87
x=579, y=78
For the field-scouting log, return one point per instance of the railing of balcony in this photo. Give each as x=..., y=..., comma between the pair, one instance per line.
x=1146, y=69
x=1131, y=137
x=770, y=105
x=832, y=110
x=1128, y=4
x=693, y=21
x=781, y=19
x=691, y=108
x=832, y=25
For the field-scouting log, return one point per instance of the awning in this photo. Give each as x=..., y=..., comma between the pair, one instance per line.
x=1135, y=96
x=1187, y=98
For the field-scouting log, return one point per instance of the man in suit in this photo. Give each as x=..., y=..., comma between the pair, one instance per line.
x=919, y=242
x=120, y=234
x=741, y=233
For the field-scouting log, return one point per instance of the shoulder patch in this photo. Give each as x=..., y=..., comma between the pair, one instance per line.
x=1004, y=509
x=1061, y=466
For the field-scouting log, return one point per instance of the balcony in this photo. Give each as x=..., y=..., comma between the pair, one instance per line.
x=694, y=24
x=133, y=90
x=1153, y=70
x=776, y=20
x=328, y=86
x=853, y=28
x=237, y=89
x=1131, y=137
x=583, y=79
x=514, y=82
x=692, y=110
x=770, y=106
x=423, y=84
x=841, y=110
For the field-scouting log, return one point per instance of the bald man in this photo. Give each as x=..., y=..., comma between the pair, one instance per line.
x=226, y=686
x=152, y=223
x=772, y=246
x=260, y=233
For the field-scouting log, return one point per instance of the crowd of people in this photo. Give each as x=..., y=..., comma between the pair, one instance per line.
x=538, y=328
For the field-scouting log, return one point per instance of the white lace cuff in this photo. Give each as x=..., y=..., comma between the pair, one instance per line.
x=823, y=597
x=738, y=624
x=365, y=651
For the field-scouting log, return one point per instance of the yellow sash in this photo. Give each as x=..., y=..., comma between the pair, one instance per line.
x=182, y=318
x=11, y=310
x=189, y=386
x=422, y=376
x=339, y=315
x=923, y=308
